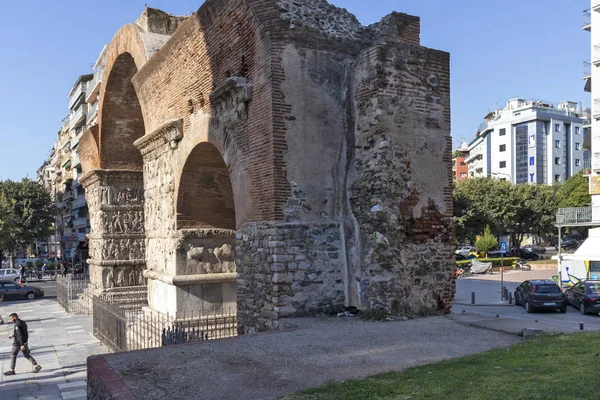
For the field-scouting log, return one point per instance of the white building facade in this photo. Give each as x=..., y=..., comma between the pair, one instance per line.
x=529, y=141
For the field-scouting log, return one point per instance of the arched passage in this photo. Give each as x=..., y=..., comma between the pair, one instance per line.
x=205, y=197
x=121, y=119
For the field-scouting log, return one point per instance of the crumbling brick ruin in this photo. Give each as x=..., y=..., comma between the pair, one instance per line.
x=277, y=155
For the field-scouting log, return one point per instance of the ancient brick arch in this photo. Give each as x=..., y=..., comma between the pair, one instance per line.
x=121, y=120
x=113, y=166
x=205, y=197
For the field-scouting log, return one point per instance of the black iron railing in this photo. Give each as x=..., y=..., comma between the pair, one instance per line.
x=133, y=328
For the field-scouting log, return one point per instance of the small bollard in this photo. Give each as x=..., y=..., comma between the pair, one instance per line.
x=505, y=293
x=581, y=326
x=472, y=297
x=509, y=297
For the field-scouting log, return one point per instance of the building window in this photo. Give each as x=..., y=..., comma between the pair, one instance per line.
x=557, y=144
x=463, y=174
x=502, y=164
x=577, y=162
x=502, y=147
x=577, y=146
x=557, y=178
x=557, y=160
x=502, y=132
x=577, y=132
x=462, y=164
x=556, y=127
x=532, y=160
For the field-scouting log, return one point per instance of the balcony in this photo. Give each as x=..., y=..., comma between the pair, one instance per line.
x=596, y=109
x=78, y=116
x=91, y=115
x=579, y=216
x=587, y=20
x=68, y=195
x=587, y=166
x=596, y=54
x=587, y=69
x=93, y=86
x=79, y=202
x=596, y=5
x=80, y=223
x=77, y=92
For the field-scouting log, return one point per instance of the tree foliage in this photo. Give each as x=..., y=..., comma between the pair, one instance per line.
x=574, y=192
x=26, y=214
x=487, y=242
x=505, y=208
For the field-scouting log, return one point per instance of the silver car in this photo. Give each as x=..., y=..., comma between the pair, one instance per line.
x=9, y=274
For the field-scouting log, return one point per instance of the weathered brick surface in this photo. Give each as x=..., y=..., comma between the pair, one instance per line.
x=103, y=383
x=286, y=121
x=402, y=193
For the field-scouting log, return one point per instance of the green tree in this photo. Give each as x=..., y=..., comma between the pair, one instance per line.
x=487, y=242
x=574, y=192
x=26, y=214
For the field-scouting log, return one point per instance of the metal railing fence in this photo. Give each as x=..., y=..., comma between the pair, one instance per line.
x=72, y=294
x=140, y=328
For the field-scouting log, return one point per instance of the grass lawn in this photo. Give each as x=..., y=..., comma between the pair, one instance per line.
x=546, y=367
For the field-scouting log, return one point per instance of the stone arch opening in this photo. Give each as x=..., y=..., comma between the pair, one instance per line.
x=205, y=196
x=121, y=119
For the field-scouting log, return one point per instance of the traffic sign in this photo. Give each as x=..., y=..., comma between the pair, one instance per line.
x=503, y=247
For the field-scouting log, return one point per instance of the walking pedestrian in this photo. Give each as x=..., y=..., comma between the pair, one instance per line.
x=21, y=273
x=1, y=300
x=21, y=337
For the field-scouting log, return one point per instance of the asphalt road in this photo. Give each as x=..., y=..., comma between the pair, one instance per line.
x=49, y=287
x=487, y=292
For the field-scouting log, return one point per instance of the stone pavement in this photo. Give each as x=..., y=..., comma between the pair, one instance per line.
x=60, y=343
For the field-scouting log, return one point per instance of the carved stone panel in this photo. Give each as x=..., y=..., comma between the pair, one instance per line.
x=117, y=239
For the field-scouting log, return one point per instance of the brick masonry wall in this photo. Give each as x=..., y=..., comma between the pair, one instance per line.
x=402, y=185
x=103, y=383
x=243, y=75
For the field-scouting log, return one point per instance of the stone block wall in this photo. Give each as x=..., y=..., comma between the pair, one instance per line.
x=288, y=269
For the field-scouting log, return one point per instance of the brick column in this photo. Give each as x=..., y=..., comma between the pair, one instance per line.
x=116, y=205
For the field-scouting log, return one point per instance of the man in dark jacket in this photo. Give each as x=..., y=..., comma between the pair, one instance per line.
x=21, y=336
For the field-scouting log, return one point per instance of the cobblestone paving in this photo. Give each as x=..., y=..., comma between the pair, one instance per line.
x=59, y=342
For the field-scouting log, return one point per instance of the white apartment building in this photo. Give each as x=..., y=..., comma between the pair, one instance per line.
x=529, y=141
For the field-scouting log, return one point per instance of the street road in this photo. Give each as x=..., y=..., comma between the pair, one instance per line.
x=487, y=292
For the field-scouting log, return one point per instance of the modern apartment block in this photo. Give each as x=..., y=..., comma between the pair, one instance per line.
x=60, y=173
x=460, y=169
x=530, y=141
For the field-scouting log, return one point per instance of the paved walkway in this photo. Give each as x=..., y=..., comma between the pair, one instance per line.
x=60, y=343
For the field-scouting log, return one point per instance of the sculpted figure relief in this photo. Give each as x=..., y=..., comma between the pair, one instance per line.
x=211, y=260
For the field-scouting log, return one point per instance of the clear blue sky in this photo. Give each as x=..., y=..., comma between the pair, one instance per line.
x=526, y=48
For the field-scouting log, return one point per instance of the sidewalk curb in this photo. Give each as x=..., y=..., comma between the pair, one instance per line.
x=484, y=304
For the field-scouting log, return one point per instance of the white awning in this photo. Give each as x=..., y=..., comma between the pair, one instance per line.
x=588, y=251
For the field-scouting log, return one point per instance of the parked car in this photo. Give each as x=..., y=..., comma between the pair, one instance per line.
x=9, y=274
x=540, y=295
x=526, y=255
x=569, y=245
x=534, y=248
x=585, y=296
x=465, y=250
x=12, y=291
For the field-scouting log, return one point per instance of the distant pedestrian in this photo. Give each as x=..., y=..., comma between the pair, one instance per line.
x=1, y=300
x=21, y=273
x=21, y=337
